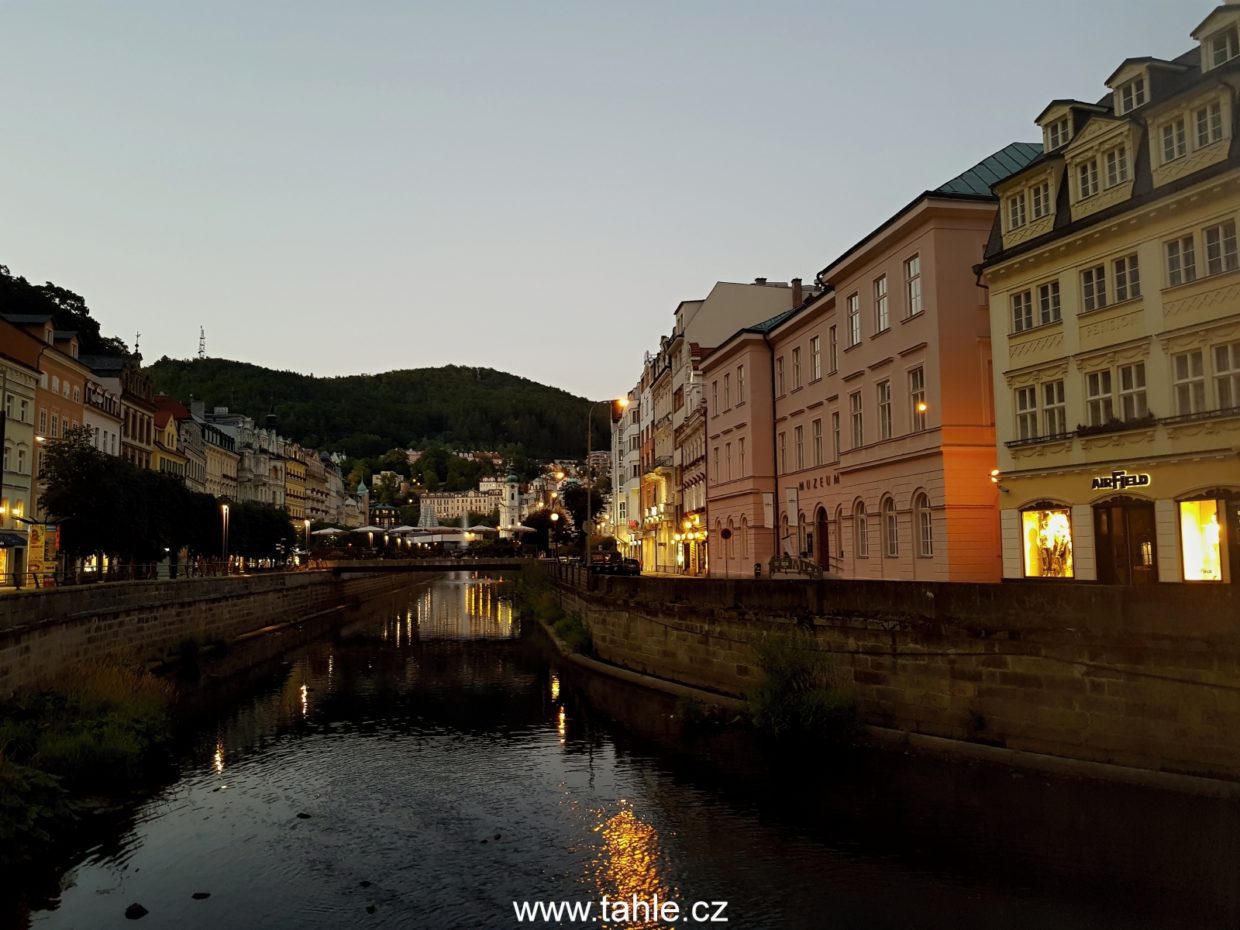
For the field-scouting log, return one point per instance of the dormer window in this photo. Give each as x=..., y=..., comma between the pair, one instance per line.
x=1116, y=161
x=1058, y=133
x=1040, y=195
x=1016, y=210
x=1223, y=47
x=1209, y=120
x=1174, y=140
x=1087, y=179
x=1132, y=95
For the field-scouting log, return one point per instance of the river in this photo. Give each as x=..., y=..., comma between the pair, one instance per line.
x=428, y=765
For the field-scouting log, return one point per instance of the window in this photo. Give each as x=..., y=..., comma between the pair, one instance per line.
x=1181, y=261
x=21, y=461
x=818, y=441
x=1227, y=376
x=1189, y=380
x=925, y=526
x=854, y=320
x=1040, y=195
x=861, y=532
x=782, y=453
x=1087, y=179
x=718, y=471
x=1047, y=536
x=1098, y=403
x=1209, y=120
x=835, y=436
x=1016, y=210
x=1223, y=47
x=1057, y=133
x=890, y=529
x=4, y=508
x=779, y=376
x=854, y=407
x=1094, y=288
x=1199, y=538
x=798, y=442
x=1116, y=161
x=796, y=368
x=727, y=392
x=881, y=317
x=1048, y=303
x=740, y=384
x=56, y=384
x=727, y=461
x=1127, y=278
x=55, y=425
x=1022, y=311
x=815, y=358
x=741, y=451
x=912, y=285
x=917, y=399
x=1132, y=94
x=1220, y=242
x=884, y=410
x=1026, y=413
x=1132, y=402
x=714, y=397
x=1054, y=409
x=1174, y=140
x=833, y=349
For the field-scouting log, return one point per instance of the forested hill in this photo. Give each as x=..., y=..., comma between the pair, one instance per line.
x=365, y=415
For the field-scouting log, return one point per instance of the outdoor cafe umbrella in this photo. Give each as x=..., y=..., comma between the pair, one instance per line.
x=329, y=531
x=482, y=528
x=370, y=529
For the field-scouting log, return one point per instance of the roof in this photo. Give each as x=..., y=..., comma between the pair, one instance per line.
x=992, y=169
x=1063, y=102
x=1211, y=16
x=104, y=362
x=21, y=318
x=1144, y=60
x=767, y=325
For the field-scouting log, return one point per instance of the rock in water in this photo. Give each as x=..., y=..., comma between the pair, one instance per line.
x=136, y=911
x=200, y=895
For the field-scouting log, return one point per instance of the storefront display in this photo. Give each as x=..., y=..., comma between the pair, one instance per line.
x=1200, y=538
x=1048, y=543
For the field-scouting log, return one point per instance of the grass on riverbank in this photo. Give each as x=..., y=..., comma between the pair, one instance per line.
x=794, y=699
x=538, y=599
x=93, y=735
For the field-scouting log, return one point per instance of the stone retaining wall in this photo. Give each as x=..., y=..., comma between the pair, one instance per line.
x=43, y=633
x=1140, y=677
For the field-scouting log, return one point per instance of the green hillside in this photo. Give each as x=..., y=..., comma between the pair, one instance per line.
x=365, y=415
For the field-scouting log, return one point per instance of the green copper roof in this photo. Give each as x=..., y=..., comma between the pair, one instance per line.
x=991, y=170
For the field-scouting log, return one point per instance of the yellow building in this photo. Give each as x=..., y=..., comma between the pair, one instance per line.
x=295, y=481
x=167, y=457
x=1114, y=282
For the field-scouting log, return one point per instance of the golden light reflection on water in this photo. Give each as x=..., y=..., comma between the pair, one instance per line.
x=555, y=687
x=561, y=726
x=305, y=701
x=217, y=760
x=627, y=864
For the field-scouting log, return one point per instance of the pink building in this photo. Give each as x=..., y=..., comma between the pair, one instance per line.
x=864, y=437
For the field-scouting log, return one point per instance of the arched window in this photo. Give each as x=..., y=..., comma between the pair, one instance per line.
x=744, y=537
x=861, y=532
x=890, y=529
x=782, y=544
x=802, y=540
x=839, y=530
x=923, y=519
x=731, y=539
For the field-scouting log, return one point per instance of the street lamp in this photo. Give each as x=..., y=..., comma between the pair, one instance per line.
x=620, y=402
x=224, y=535
x=555, y=518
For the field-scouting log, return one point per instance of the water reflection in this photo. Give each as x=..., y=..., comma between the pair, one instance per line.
x=447, y=763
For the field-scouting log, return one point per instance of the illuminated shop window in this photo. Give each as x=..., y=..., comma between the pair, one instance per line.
x=1048, y=543
x=1199, y=535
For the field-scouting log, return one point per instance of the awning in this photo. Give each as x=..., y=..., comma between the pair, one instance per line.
x=11, y=540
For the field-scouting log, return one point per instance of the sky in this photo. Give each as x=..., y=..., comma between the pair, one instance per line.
x=343, y=188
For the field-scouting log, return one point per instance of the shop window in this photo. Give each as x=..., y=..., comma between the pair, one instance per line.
x=1047, y=542
x=1200, y=540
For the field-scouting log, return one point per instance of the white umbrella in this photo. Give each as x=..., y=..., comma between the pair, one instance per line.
x=402, y=529
x=522, y=529
x=482, y=528
x=328, y=531
x=370, y=529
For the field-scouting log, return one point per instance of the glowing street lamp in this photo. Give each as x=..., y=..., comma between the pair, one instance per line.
x=224, y=535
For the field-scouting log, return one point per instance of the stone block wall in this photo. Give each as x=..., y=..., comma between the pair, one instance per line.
x=45, y=633
x=1141, y=677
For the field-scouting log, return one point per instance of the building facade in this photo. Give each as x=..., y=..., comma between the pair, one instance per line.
x=1114, y=278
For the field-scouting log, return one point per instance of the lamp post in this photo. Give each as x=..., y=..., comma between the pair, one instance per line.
x=555, y=518
x=621, y=402
x=224, y=535
x=307, y=522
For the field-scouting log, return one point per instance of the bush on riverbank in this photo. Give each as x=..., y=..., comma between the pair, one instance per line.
x=95, y=734
x=794, y=699
x=538, y=599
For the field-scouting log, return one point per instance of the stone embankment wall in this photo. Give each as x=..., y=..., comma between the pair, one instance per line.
x=43, y=633
x=1146, y=677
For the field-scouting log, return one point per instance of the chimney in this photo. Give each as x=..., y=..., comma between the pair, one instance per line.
x=761, y=281
x=797, y=296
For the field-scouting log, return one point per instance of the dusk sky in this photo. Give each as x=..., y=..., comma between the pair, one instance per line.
x=347, y=188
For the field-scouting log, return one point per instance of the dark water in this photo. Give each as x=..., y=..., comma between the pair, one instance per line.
x=449, y=767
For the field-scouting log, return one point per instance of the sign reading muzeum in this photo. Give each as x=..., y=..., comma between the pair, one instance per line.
x=1114, y=285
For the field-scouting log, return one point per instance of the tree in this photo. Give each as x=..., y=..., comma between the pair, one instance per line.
x=547, y=530
x=574, y=495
